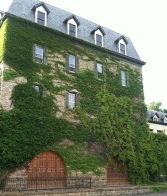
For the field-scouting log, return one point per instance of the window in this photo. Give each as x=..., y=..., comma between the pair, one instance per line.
x=155, y=118
x=124, y=78
x=160, y=131
x=40, y=54
x=100, y=71
x=41, y=90
x=41, y=18
x=72, y=98
x=98, y=40
x=122, y=48
x=72, y=63
x=41, y=11
x=72, y=29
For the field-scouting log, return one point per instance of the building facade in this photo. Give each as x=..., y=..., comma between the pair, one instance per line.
x=50, y=62
x=157, y=121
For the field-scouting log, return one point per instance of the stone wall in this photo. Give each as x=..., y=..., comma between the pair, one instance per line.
x=108, y=191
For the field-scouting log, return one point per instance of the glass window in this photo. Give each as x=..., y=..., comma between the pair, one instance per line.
x=41, y=18
x=36, y=88
x=72, y=63
x=99, y=68
x=39, y=51
x=71, y=100
x=72, y=29
x=123, y=78
x=99, y=40
x=122, y=48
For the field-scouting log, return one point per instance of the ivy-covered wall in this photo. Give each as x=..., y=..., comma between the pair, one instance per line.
x=109, y=115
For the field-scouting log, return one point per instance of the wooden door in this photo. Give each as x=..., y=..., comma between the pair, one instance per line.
x=47, y=168
x=116, y=174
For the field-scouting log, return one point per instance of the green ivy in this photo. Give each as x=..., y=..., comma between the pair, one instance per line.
x=113, y=117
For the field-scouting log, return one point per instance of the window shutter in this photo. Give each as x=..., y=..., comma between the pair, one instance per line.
x=77, y=64
x=67, y=62
x=45, y=56
x=127, y=79
x=33, y=52
x=66, y=100
x=77, y=98
x=104, y=72
x=44, y=92
x=95, y=70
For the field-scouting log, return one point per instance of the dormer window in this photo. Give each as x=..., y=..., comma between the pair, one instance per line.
x=121, y=44
x=165, y=120
x=41, y=18
x=98, y=36
x=99, y=41
x=155, y=118
x=41, y=12
x=72, y=25
x=72, y=29
x=122, y=48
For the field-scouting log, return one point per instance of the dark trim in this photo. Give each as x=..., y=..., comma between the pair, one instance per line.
x=156, y=122
x=70, y=17
x=41, y=4
x=76, y=40
x=98, y=28
x=121, y=37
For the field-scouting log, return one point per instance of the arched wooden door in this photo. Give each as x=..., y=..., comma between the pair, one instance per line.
x=116, y=174
x=48, y=167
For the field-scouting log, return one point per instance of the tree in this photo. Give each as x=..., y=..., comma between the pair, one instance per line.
x=157, y=106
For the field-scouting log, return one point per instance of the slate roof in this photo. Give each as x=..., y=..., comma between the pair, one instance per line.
x=160, y=115
x=56, y=18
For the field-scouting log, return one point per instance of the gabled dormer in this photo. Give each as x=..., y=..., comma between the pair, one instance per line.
x=98, y=34
x=156, y=117
x=165, y=119
x=121, y=44
x=1, y=14
x=41, y=12
x=72, y=25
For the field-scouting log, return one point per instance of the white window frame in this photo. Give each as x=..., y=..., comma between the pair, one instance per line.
x=98, y=32
x=72, y=22
x=39, y=55
x=42, y=10
x=119, y=46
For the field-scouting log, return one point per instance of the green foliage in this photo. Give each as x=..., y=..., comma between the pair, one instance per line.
x=155, y=106
x=10, y=75
x=112, y=116
x=78, y=159
x=160, y=187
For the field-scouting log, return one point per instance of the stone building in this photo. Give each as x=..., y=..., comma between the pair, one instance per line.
x=48, y=52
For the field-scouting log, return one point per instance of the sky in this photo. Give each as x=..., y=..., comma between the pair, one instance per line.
x=143, y=21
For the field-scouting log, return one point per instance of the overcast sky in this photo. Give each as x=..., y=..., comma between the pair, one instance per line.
x=144, y=21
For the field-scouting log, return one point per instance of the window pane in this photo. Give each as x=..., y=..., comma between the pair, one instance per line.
x=122, y=48
x=72, y=29
x=39, y=54
x=41, y=18
x=72, y=100
x=123, y=78
x=99, y=40
x=72, y=63
x=99, y=68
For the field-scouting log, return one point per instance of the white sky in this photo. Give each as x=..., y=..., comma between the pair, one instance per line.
x=144, y=21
